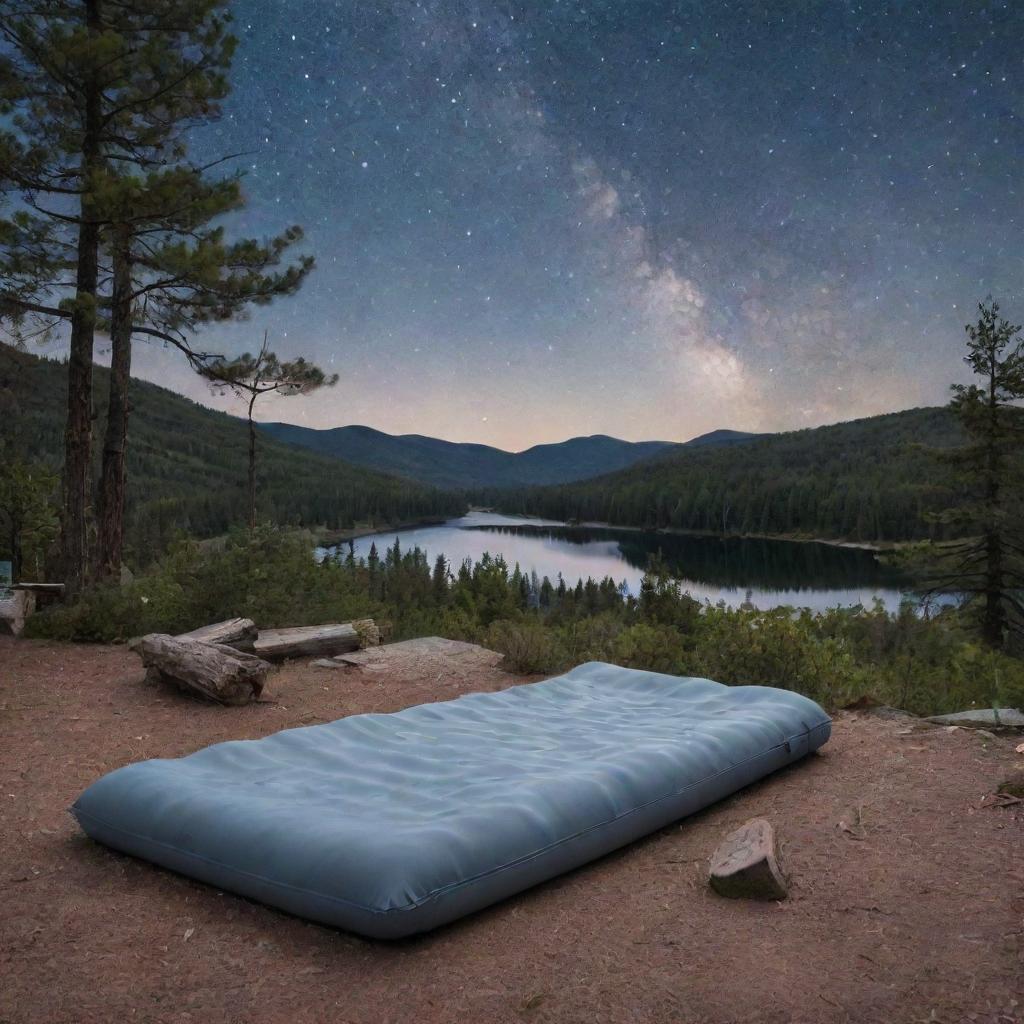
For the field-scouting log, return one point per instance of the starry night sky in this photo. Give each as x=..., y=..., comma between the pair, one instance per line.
x=540, y=219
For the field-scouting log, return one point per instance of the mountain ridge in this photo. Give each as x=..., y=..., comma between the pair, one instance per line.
x=467, y=465
x=187, y=463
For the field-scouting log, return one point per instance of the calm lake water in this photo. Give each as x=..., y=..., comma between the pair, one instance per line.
x=767, y=572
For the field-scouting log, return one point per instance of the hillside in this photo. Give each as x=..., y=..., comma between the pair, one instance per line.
x=866, y=480
x=187, y=463
x=455, y=465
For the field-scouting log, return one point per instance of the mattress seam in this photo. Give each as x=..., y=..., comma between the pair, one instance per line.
x=462, y=883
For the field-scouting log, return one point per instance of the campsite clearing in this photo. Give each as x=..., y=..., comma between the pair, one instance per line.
x=906, y=900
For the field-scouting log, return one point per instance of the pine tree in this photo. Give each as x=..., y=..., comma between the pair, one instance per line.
x=171, y=274
x=988, y=566
x=264, y=374
x=439, y=580
x=85, y=87
x=26, y=490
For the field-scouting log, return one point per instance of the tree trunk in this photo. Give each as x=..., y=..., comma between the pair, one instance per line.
x=113, y=476
x=252, y=466
x=78, y=430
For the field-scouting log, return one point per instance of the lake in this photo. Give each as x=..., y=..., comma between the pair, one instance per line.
x=767, y=573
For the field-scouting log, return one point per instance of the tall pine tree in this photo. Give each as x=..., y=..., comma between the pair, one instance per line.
x=89, y=86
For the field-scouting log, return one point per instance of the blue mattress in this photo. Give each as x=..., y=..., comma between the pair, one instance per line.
x=393, y=824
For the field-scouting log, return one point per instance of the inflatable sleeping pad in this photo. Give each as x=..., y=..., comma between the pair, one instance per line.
x=391, y=824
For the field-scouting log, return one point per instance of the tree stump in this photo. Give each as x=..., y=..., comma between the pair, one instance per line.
x=745, y=865
x=214, y=671
x=369, y=632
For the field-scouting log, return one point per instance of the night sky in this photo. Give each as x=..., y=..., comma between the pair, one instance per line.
x=537, y=220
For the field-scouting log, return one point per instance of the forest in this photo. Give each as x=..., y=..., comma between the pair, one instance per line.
x=187, y=465
x=929, y=664
x=875, y=479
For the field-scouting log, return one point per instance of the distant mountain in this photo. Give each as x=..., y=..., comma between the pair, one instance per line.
x=454, y=465
x=871, y=479
x=718, y=437
x=187, y=463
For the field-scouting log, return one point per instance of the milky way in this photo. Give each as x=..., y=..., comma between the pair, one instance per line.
x=534, y=220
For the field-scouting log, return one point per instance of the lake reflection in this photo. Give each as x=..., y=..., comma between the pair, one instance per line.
x=768, y=572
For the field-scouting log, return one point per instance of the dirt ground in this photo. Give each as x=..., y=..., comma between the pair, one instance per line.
x=907, y=901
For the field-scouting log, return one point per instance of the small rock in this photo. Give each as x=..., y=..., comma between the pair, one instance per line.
x=746, y=866
x=1013, y=784
x=328, y=663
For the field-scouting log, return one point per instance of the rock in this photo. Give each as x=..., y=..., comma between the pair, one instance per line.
x=746, y=866
x=1005, y=718
x=1013, y=784
x=14, y=610
x=219, y=673
x=403, y=657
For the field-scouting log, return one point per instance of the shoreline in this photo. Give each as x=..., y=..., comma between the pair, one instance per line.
x=873, y=546
x=332, y=538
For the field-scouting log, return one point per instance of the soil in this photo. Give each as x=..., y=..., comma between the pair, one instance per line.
x=906, y=900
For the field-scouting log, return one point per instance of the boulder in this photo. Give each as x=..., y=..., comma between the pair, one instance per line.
x=14, y=610
x=986, y=718
x=746, y=865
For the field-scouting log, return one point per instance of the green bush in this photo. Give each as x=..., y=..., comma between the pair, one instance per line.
x=924, y=663
x=528, y=647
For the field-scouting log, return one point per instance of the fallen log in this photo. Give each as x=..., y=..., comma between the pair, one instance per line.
x=304, y=641
x=214, y=671
x=237, y=633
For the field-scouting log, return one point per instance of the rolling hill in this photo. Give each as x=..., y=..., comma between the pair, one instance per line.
x=455, y=465
x=866, y=480
x=187, y=463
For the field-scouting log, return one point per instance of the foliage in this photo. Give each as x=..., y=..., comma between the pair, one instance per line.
x=28, y=512
x=987, y=567
x=90, y=92
x=261, y=374
x=923, y=662
x=187, y=465
x=868, y=480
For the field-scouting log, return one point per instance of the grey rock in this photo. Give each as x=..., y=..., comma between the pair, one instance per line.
x=1007, y=718
x=746, y=865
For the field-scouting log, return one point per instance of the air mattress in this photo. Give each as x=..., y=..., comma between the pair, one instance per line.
x=393, y=824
